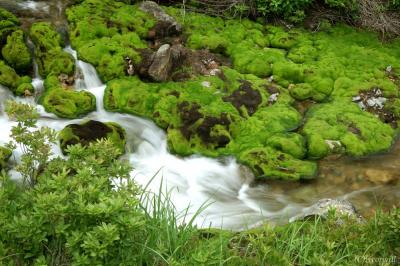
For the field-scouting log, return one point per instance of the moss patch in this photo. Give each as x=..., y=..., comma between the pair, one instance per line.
x=68, y=103
x=16, y=53
x=106, y=32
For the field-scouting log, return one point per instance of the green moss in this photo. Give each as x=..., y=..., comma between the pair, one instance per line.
x=8, y=23
x=51, y=58
x=91, y=131
x=67, y=103
x=344, y=124
x=16, y=53
x=25, y=88
x=5, y=155
x=290, y=143
x=106, y=32
x=271, y=163
x=8, y=77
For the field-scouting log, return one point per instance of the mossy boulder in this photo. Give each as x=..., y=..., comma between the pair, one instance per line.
x=16, y=53
x=8, y=23
x=91, y=131
x=67, y=103
x=10, y=79
x=105, y=32
x=269, y=163
x=51, y=58
x=5, y=155
x=342, y=127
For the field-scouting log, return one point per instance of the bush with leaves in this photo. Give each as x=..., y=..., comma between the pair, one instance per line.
x=81, y=210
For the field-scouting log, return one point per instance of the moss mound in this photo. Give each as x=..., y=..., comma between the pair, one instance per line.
x=5, y=154
x=92, y=131
x=16, y=53
x=10, y=79
x=68, y=103
x=8, y=23
x=51, y=58
x=106, y=32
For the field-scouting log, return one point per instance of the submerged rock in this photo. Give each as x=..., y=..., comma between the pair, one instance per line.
x=323, y=208
x=5, y=155
x=92, y=131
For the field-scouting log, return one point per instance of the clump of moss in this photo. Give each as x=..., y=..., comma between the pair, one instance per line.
x=105, y=40
x=8, y=23
x=16, y=53
x=10, y=79
x=68, y=103
x=91, y=131
x=342, y=127
x=51, y=58
x=5, y=155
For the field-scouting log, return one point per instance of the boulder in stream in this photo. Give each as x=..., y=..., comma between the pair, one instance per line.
x=68, y=103
x=90, y=132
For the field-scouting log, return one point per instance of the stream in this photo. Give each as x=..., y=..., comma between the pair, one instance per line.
x=234, y=201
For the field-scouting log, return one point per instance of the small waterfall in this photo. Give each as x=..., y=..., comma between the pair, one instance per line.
x=86, y=76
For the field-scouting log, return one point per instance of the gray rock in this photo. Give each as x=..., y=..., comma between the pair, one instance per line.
x=154, y=9
x=162, y=64
x=323, y=206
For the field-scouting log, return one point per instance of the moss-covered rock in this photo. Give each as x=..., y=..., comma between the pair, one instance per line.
x=8, y=77
x=5, y=155
x=8, y=23
x=269, y=163
x=92, y=131
x=51, y=58
x=16, y=53
x=342, y=127
x=67, y=103
x=105, y=40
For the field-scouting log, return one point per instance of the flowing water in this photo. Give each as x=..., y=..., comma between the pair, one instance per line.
x=233, y=200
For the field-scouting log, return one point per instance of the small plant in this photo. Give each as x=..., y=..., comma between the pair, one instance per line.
x=34, y=144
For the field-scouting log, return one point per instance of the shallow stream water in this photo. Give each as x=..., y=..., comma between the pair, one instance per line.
x=234, y=200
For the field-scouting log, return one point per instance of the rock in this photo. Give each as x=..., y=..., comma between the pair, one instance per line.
x=162, y=64
x=130, y=69
x=5, y=155
x=166, y=25
x=324, y=206
x=378, y=176
x=68, y=103
x=16, y=53
x=92, y=131
x=66, y=81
